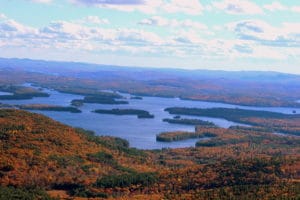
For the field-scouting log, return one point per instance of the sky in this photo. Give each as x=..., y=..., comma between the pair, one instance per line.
x=189, y=34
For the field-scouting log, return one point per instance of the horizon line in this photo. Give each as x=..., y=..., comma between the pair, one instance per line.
x=149, y=67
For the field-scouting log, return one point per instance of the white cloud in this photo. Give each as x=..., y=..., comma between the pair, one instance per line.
x=273, y=53
x=288, y=34
x=136, y=37
x=238, y=7
x=190, y=7
x=11, y=28
x=94, y=20
x=275, y=6
x=155, y=21
x=189, y=37
x=63, y=30
x=41, y=1
x=62, y=34
x=256, y=39
x=108, y=2
x=160, y=21
x=191, y=24
x=233, y=49
x=2, y=16
x=296, y=9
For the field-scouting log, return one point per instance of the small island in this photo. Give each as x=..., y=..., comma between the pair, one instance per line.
x=116, y=111
x=102, y=98
x=77, y=103
x=136, y=97
x=190, y=122
x=46, y=107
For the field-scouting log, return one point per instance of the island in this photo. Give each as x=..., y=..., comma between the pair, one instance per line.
x=189, y=122
x=137, y=97
x=92, y=96
x=77, y=103
x=117, y=111
x=47, y=107
x=18, y=92
x=100, y=98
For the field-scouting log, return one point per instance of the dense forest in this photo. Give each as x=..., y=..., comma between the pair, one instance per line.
x=189, y=122
x=44, y=159
x=117, y=111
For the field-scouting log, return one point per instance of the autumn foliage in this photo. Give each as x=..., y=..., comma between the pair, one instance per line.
x=236, y=163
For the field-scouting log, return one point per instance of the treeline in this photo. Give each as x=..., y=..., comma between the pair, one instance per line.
x=190, y=122
x=136, y=97
x=232, y=114
x=181, y=135
x=117, y=111
x=98, y=99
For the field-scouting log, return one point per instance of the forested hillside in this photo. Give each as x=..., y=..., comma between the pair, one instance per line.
x=43, y=159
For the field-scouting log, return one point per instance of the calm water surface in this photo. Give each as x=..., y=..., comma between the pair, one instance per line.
x=141, y=133
x=5, y=93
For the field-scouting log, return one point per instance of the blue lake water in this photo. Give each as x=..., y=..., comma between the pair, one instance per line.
x=5, y=93
x=141, y=133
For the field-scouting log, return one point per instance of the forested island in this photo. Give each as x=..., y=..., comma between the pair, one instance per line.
x=189, y=122
x=97, y=99
x=100, y=98
x=116, y=111
x=136, y=97
x=20, y=92
x=91, y=95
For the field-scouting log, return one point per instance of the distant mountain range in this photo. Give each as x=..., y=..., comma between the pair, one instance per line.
x=87, y=70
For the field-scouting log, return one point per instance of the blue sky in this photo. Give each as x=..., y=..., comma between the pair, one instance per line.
x=191, y=34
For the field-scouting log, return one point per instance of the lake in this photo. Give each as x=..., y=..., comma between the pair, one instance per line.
x=5, y=93
x=141, y=133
